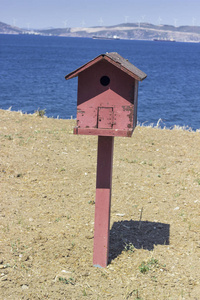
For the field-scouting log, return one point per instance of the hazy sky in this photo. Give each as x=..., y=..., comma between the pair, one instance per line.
x=86, y=13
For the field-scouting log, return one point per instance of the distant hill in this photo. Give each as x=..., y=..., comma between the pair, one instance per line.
x=8, y=29
x=134, y=31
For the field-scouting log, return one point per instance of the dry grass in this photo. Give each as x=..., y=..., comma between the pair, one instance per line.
x=47, y=213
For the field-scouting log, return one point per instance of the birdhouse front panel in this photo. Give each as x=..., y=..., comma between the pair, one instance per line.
x=106, y=100
x=107, y=96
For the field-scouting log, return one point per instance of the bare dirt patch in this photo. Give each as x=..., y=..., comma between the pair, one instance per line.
x=47, y=185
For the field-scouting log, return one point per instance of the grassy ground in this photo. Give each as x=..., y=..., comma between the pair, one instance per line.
x=47, y=185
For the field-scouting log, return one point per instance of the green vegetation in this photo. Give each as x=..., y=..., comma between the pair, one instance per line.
x=147, y=266
x=129, y=248
x=40, y=112
x=9, y=137
x=66, y=281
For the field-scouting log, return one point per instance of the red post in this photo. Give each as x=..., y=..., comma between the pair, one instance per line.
x=103, y=200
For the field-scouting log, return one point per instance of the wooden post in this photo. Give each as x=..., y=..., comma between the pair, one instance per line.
x=103, y=200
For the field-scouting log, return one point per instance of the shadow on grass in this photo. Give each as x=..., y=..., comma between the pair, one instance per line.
x=141, y=234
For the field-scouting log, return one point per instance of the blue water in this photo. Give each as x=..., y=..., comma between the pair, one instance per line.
x=32, y=70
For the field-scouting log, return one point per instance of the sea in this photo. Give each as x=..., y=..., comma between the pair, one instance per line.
x=33, y=69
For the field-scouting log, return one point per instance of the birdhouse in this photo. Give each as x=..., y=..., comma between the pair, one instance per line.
x=107, y=107
x=107, y=96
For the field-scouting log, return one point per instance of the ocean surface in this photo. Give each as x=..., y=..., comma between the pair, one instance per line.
x=32, y=71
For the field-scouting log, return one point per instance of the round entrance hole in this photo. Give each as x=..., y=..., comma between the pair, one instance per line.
x=105, y=80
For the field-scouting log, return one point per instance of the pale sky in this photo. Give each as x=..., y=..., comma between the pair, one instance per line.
x=86, y=13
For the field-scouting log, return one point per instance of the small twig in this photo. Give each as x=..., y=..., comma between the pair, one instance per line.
x=140, y=221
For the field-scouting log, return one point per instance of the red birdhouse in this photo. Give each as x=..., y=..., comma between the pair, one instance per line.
x=107, y=107
x=107, y=96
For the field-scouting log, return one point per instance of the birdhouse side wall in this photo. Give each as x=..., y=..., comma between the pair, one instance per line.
x=109, y=106
x=135, y=104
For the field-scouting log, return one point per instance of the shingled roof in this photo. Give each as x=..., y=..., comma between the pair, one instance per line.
x=115, y=59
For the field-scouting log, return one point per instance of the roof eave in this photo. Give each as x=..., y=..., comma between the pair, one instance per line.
x=121, y=67
x=76, y=72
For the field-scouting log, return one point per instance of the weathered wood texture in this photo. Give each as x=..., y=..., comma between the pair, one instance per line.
x=103, y=200
x=107, y=107
x=107, y=96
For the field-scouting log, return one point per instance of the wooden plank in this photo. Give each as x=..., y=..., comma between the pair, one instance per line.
x=103, y=132
x=103, y=201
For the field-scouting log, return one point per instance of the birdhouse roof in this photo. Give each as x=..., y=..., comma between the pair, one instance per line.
x=115, y=59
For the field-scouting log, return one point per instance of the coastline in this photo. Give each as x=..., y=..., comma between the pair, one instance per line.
x=127, y=31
